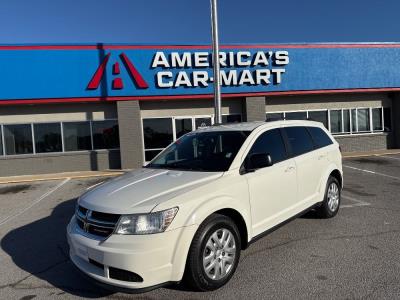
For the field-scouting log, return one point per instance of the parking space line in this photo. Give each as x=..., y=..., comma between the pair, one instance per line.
x=9, y=218
x=372, y=172
x=94, y=185
x=357, y=202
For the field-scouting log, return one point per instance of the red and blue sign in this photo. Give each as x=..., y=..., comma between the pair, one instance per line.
x=31, y=74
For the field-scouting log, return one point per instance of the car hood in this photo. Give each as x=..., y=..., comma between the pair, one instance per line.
x=141, y=190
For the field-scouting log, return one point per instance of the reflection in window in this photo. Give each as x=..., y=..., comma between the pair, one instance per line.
x=150, y=154
x=77, y=136
x=1, y=142
x=319, y=116
x=377, y=123
x=346, y=120
x=387, y=118
x=336, y=121
x=105, y=134
x=183, y=126
x=157, y=133
x=231, y=119
x=18, y=139
x=298, y=115
x=354, y=120
x=274, y=116
x=363, y=119
x=202, y=122
x=47, y=137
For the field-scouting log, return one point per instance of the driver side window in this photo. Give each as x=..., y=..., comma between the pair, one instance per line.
x=270, y=142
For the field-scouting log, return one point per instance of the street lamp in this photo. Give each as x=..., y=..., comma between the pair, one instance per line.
x=217, y=77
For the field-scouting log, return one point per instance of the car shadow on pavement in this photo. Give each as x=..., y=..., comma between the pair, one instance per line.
x=41, y=249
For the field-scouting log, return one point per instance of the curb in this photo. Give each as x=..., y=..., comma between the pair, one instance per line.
x=62, y=177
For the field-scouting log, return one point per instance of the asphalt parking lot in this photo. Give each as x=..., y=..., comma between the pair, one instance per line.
x=354, y=255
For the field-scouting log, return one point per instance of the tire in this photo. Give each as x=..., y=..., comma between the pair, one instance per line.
x=201, y=254
x=331, y=203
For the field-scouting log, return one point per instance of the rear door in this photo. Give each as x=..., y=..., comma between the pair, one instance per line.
x=308, y=170
x=272, y=189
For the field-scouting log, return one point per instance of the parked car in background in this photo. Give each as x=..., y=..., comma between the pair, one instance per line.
x=188, y=214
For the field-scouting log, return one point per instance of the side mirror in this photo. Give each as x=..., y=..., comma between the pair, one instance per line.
x=257, y=161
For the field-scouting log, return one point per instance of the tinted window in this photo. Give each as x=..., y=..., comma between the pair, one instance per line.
x=363, y=119
x=48, y=137
x=274, y=116
x=336, y=121
x=18, y=139
x=298, y=115
x=77, y=136
x=183, y=126
x=1, y=142
x=157, y=133
x=320, y=138
x=387, y=117
x=299, y=140
x=231, y=119
x=271, y=143
x=105, y=134
x=202, y=122
x=319, y=116
x=377, y=119
x=346, y=120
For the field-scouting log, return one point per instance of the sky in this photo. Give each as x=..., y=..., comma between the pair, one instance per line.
x=188, y=21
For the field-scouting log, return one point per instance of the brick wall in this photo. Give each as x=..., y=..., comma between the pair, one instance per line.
x=352, y=143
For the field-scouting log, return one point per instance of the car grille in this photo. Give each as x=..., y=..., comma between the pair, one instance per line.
x=96, y=223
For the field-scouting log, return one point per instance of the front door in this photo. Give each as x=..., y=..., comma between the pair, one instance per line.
x=273, y=189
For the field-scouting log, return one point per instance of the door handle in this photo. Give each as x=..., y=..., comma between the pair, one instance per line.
x=289, y=169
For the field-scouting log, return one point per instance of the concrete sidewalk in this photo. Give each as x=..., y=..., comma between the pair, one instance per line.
x=58, y=176
x=110, y=173
x=370, y=153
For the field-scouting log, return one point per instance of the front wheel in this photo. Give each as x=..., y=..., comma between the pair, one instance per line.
x=214, y=254
x=330, y=206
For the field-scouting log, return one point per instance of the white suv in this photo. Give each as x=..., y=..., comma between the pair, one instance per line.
x=194, y=207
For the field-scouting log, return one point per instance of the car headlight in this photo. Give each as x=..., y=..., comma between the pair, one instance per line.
x=146, y=223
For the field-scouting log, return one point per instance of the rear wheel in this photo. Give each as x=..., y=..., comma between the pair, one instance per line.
x=214, y=254
x=330, y=206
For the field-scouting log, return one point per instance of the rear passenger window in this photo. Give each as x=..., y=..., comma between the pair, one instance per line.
x=320, y=138
x=270, y=142
x=299, y=140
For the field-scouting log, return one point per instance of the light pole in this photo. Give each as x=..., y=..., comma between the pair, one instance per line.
x=217, y=77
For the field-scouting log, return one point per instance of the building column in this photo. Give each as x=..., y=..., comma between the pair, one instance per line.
x=254, y=108
x=396, y=120
x=130, y=134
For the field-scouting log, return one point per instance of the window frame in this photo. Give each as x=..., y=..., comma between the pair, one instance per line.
x=34, y=153
x=342, y=110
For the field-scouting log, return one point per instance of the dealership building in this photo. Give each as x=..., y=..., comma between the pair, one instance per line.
x=96, y=107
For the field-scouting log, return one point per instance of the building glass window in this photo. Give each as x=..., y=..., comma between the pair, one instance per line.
x=202, y=122
x=319, y=116
x=377, y=123
x=77, y=136
x=336, y=121
x=354, y=120
x=387, y=119
x=183, y=126
x=47, y=137
x=297, y=115
x=158, y=134
x=1, y=142
x=274, y=116
x=363, y=120
x=231, y=119
x=346, y=121
x=105, y=134
x=18, y=139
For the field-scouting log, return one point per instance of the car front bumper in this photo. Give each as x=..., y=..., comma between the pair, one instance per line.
x=156, y=258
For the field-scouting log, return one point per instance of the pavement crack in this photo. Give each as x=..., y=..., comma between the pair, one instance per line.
x=16, y=283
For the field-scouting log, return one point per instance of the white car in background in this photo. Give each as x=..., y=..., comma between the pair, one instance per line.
x=189, y=213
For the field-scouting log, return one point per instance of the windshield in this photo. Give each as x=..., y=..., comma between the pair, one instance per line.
x=211, y=151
